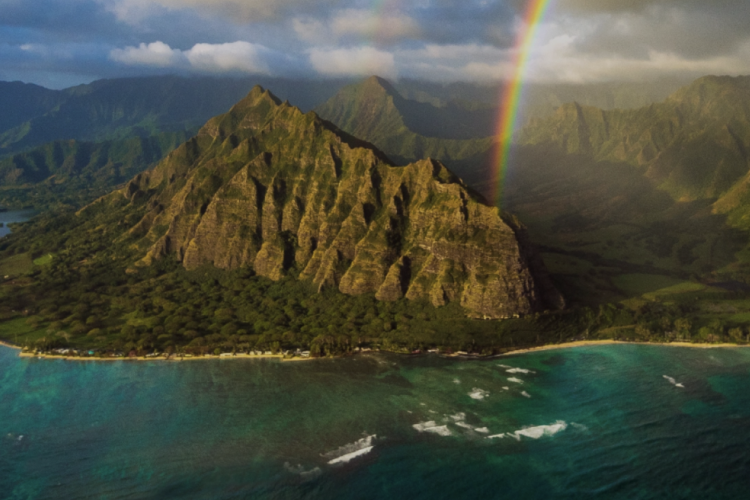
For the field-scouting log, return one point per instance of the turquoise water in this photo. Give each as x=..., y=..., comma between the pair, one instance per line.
x=613, y=427
x=11, y=216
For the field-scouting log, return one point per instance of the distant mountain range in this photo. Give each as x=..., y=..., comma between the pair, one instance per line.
x=662, y=187
x=127, y=107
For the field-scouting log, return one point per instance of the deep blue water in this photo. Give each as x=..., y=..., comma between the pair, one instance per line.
x=607, y=425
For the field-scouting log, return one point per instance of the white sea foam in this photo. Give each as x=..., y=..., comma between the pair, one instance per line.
x=310, y=474
x=580, y=427
x=673, y=381
x=478, y=393
x=483, y=430
x=349, y=456
x=464, y=425
x=516, y=380
x=541, y=430
x=525, y=394
x=504, y=366
x=350, y=451
x=506, y=388
x=456, y=381
x=458, y=416
x=306, y=475
x=496, y=436
x=431, y=426
x=519, y=370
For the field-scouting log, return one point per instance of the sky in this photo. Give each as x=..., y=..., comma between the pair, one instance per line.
x=59, y=43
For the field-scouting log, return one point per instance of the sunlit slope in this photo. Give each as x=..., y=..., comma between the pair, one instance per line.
x=267, y=187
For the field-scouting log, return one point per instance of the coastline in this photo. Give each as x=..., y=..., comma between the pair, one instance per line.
x=10, y=346
x=281, y=358
x=155, y=358
x=588, y=343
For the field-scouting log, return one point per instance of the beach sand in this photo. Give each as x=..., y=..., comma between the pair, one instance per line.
x=583, y=343
x=159, y=358
x=549, y=347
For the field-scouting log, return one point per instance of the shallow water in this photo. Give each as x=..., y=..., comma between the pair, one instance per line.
x=580, y=423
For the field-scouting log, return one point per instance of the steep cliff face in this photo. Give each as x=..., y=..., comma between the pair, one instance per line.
x=268, y=187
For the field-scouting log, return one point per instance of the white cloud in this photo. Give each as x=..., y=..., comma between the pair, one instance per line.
x=213, y=58
x=237, y=56
x=359, y=61
x=467, y=62
x=153, y=54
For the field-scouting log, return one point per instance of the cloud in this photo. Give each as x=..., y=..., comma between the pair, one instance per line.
x=153, y=54
x=238, y=56
x=369, y=24
x=359, y=61
x=455, y=62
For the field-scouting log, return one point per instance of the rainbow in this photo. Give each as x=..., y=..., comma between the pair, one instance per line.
x=512, y=93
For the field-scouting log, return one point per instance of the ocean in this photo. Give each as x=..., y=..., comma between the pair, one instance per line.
x=614, y=421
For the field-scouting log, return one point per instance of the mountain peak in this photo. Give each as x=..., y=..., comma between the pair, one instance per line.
x=267, y=187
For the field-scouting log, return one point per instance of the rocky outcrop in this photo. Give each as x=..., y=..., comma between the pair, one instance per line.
x=267, y=187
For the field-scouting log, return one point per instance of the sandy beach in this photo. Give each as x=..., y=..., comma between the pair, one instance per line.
x=11, y=346
x=549, y=347
x=584, y=343
x=156, y=358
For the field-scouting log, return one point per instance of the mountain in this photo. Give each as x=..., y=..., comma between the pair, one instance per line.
x=541, y=99
x=21, y=102
x=655, y=191
x=127, y=107
x=693, y=145
x=75, y=172
x=408, y=130
x=269, y=187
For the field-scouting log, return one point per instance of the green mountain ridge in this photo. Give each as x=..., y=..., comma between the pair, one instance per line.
x=659, y=190
x=268, y=187
x=127, y=107
x=376, y=112
x=75, y=172
x=693, y=145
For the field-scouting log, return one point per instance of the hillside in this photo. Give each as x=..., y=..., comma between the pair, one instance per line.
x=268, y=187
x=655, y=191
x=274, y=229
x=693, y=145
x=408, y=130
x=75, y=172
x=127, y=107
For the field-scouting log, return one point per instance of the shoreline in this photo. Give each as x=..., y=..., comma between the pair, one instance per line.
x=11, y=346
x=589, y=343
x=155, y=358
x=281, y=358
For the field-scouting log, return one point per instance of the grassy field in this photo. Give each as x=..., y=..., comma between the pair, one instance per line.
x=16, y=265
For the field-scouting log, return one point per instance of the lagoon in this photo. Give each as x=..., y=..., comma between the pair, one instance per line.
x=13, y=216
x=589, y=422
